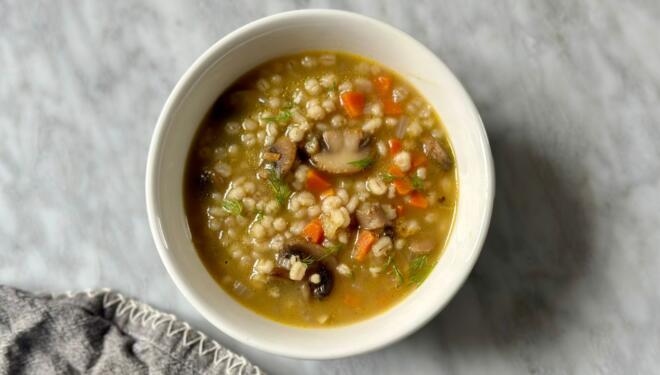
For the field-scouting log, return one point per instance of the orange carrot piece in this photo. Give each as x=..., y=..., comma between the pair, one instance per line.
x=395, y=146
x=327, y=193
x=315, y=182
x=353, y=103
x=418, y=159
x=418, y=200
x=383, y=85
x=403, y=186
x=395, y=171
x=363, y=244
x=313, y=231
x=391, y=108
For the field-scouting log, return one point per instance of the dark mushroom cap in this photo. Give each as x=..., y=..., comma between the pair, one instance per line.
x=313, y=253
x=389, y=231
x=370, y=216
x=434, y=151
x=287, y=151
x=323, y=288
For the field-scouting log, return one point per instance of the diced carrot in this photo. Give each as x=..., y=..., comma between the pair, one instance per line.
x=363, y=244
x=327, y=193
x=395, y=146
x=418, y=159
x=383, y=85
x=395, y=171
x=315, y=182
x=403, y=186
x=390, y=107
x=353, y=103
x=313, y=231
x=418, y=199
x=399, y=209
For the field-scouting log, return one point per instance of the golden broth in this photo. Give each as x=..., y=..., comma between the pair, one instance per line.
x=240, y=229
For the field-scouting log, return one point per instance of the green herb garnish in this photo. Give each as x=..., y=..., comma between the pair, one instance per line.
x=308, y=260
x=283, y=116
x=259, y=215
x=279, y=187
x=232, y=206
x=330, y=250
x=398, y=275
x=388, y=177
x=419, y=269
x=417, y=183
x=395, y=270
x=362, y=163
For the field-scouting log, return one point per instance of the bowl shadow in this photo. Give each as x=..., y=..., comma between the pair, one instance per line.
x=536, y=251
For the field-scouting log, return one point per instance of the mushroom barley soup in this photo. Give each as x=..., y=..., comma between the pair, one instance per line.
x=320, y=189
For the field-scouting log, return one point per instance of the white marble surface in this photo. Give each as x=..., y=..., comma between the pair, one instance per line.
x=569, y=93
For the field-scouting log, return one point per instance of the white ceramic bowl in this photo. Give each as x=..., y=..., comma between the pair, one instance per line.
x=288, y=33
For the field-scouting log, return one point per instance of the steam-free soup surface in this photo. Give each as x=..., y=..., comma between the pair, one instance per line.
x=320, y=189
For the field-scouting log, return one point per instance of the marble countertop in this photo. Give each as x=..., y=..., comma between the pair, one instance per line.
x=570, y=96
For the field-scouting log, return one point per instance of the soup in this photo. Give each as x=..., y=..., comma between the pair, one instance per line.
x=320, y=189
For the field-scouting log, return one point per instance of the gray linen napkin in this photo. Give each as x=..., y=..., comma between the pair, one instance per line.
x=103, y=332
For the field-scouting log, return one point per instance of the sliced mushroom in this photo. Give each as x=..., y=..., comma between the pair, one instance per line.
x=370, y=216
x=389, y=231
x=421, y=246
x=345, y=153
x=437, y=153
x=324, y=287
x=312, y=254
x=287, y=154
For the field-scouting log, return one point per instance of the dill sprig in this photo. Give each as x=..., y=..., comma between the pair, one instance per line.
x=279, y=187
x=419, y=269
x=232, y=206
x=362, y=163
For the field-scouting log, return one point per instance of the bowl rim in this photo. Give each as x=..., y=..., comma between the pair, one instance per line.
x=179, y=92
